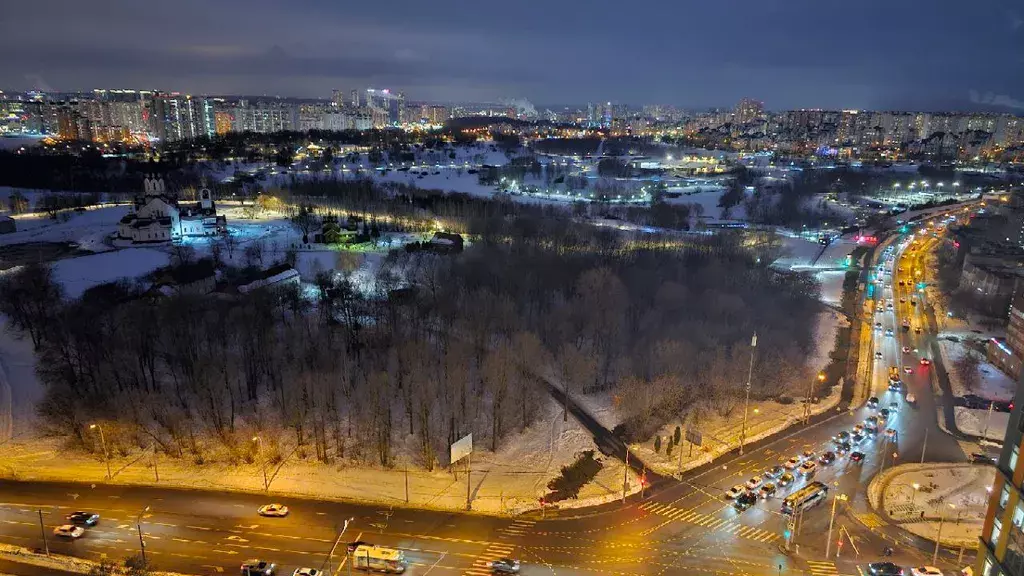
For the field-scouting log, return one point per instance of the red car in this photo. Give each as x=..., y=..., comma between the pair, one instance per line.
x=925, y=362
x=856, y=456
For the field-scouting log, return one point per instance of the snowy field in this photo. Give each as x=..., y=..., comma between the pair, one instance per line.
x=805, y=253
x=939, y=485
x=79, y=274
x=983, y=423
x=993, y=384
x=88, y=229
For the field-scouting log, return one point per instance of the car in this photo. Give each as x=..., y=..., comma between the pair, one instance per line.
x=906, y=349
x=908, y=369
x=911, y=399
x=827, y=458
x=256, y=567
x=884, y=414
x=793, y=463
x=926, y=571
x=894, y=385
x=871, y=422
x=888, y=305
x=857, y=438
x=878, y=355
x=901, y=282
x=745, y=501
x=873, y=402
x=856, y=456
x=767, y=490
x=69, y=531
x=878, y=326
x=890, y=432
x=884, y=569
x=307, y=572
x=754, y=483
x=773, y=472
x=982, y=458
x=353, y=545
x=913, y=302
x=83, y=518
x=903, y=300
x=857, y=428
x=808, y=455
x=273, y=510
x=785, y=480
x=841, y=437
x=917, y=330
x=926, y=362
x=808, y=468
x=505, y=566
x=894, y=405
x=888, y=332
x=735, y=492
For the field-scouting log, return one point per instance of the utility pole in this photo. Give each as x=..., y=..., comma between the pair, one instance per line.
x=938, y=538
x=925, y=445
x=42, y=530
x=156, y=471
x=988, y=419
x=142, y=543
x=746, y=400
x=406, y=482
x=625, y=477
x=330, y=555
x=263, y=463
x=469, y=471
x=831, y=520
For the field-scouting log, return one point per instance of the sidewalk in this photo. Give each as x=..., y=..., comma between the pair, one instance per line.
x=510, y=481
x=919, y=497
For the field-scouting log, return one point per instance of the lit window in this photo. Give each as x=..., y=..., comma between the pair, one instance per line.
x=1018, y=515
x=1013, y=458
x=997, y=527
x=1004, y=496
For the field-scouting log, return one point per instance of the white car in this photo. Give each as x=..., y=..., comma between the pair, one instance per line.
x=735, y=492
x=754, y=483
x=793, y=463
x=911, y=399
x=926, y=571
x=275, y=510
x=69, y=531
x=307, y=572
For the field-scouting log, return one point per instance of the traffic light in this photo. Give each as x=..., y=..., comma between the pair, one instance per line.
x=786, y=533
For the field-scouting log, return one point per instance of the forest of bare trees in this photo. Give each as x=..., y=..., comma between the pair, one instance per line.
x=436, y=346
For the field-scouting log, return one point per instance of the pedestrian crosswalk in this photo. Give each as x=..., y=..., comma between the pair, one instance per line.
x=870, y=520
x=482, y=563
x=710, y=522
x=822, y=568
x=517, y=528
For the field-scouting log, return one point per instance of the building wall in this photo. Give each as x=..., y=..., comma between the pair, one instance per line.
x=1002, y=540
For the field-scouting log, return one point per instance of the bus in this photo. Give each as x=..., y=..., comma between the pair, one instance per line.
x=804, y=498
x=379, y=559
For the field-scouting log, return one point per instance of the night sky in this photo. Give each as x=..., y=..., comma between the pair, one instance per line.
x=880, y=54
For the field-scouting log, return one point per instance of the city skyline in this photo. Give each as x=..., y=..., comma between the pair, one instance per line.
x=790, y=57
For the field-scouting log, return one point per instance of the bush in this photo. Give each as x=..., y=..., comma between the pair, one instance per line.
x=573, y=477
x=657, y=444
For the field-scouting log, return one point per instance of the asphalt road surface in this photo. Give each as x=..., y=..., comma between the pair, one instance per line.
x=685, y=527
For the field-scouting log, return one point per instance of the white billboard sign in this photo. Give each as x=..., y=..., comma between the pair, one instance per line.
x=462, y=448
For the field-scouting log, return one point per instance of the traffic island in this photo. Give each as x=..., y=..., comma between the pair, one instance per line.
x=935, y=501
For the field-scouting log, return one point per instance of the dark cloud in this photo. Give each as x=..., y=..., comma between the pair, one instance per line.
x=798, y=53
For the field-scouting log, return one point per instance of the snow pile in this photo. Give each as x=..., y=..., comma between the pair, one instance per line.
x=984, y=423
x=956, y=493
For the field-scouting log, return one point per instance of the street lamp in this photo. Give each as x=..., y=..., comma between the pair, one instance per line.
x=938, y=535
x=810, y=392
x=746, y=400
x=103, y=443
x=913, y=497
x=832, y=518
x=263, y=464
x=330, y=555
x=138, y=526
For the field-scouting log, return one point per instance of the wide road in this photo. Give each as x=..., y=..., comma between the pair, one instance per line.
x=686, y=527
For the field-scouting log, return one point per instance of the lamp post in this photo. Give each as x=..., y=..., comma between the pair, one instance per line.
x=103, y=443
x=138, y=526
x=810, y=392
x=831, y=520
x=263, y=464
x=330, y=555
x=746, y=400
x=938, y=536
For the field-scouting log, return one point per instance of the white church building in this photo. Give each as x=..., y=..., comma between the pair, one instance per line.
x=158, y=216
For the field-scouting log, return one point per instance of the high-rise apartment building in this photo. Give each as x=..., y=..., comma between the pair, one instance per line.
x=748, y=110
x=391, y=103
x=1002, y=536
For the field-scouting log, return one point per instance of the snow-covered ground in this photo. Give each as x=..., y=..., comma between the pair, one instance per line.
x=993, y=384
x=802, y=252
x=958, y=493
x=982, y=423
x=508, y=481
x=79, y=274
x=18, y=370
x=88, y=229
